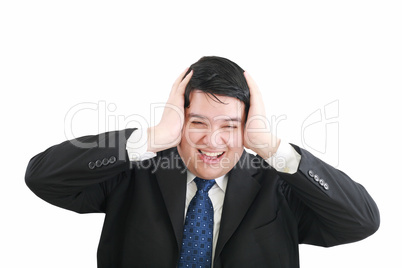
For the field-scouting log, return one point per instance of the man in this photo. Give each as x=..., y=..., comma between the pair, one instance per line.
x=253, y=211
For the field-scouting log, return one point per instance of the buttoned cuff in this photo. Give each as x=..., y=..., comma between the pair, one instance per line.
x=286, y=159
x=137, y=145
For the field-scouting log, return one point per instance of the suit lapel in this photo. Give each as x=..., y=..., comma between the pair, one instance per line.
x=172, y=178
x=241, y=190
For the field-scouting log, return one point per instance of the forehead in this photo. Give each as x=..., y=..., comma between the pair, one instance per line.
x=207, y=106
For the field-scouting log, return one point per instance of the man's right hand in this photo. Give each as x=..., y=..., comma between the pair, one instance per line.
x=167, y=133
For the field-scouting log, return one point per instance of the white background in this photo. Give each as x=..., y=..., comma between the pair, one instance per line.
x=125, y=55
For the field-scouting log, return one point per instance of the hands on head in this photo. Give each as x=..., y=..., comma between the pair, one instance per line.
x=168, y=133
x=257, y=134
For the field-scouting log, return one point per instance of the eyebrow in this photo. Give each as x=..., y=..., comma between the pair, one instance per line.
x=235, y=119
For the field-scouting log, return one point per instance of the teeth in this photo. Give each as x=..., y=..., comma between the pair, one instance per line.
x=211, y=154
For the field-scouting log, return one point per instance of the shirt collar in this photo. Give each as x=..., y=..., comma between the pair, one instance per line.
x=221, y=182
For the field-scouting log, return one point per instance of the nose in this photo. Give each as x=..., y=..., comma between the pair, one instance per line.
x=215, y=139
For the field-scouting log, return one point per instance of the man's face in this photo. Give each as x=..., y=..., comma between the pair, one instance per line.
x=212, y=138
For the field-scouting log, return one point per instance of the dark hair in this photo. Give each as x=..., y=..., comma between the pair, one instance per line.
x=218, y=76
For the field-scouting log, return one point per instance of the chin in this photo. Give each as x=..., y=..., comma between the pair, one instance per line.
x=210, y=174
x=208, y=171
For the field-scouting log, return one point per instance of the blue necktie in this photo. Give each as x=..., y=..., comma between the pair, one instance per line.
x=196, y=249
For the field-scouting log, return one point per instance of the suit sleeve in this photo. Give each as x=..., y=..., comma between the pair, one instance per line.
x=79, y=174
x=330, y=207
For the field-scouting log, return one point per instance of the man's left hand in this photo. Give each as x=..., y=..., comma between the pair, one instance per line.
x=257, y=134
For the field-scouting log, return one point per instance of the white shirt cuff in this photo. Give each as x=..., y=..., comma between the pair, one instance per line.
x=286, y=159
x=137, y=145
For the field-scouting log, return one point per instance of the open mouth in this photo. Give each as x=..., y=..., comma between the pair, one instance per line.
x=210, y=157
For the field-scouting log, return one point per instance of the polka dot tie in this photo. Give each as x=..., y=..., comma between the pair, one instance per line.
x=196, y=249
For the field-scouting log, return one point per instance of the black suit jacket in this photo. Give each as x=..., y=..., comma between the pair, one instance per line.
x=266, y=214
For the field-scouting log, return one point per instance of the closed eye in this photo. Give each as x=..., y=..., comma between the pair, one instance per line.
x=198, y=124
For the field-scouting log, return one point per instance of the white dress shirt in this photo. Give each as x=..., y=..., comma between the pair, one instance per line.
x=286, y=159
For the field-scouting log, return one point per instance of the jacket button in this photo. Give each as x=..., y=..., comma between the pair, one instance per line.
x=316, y=178
x=112, y=160
x=326, y=186
x=105, y=161
x=91, y=165
x=98, y=163
x=311, y=173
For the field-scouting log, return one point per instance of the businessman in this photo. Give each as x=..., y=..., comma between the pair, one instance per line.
x=185, y=193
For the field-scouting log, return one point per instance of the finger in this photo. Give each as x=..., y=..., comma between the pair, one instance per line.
x=257, y=106
x=183, y=84
x=179, y=79
x=251, y=83
x=255, y=93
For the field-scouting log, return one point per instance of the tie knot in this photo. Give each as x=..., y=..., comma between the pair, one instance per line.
x=204, y=185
